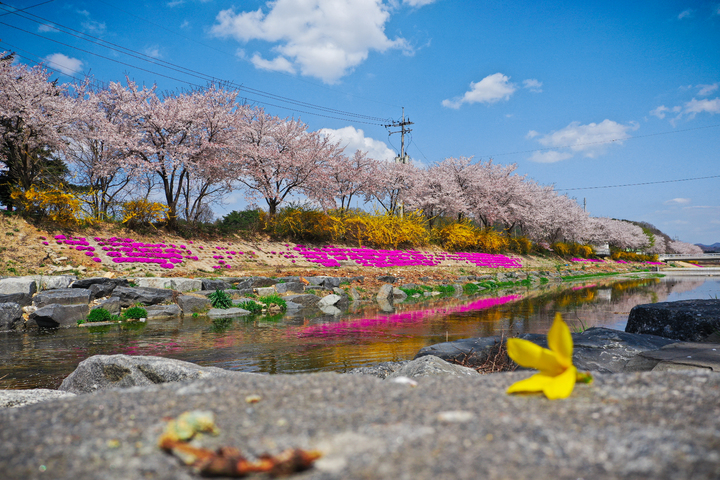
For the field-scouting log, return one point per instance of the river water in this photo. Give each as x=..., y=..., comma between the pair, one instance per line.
x=287, y=344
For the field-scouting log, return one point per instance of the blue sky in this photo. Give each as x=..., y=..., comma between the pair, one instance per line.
x=577, y=94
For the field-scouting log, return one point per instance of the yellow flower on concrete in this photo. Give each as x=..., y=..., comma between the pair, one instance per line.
x=557, y=375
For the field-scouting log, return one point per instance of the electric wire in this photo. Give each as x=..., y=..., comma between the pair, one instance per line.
x=23, y=9
x=178, y=68
x=638, y=184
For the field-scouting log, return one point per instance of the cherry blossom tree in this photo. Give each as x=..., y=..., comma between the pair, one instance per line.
x=348, y=178
x=685, y=248
x=34, y=116
x=618, y=233
x=278, y=157
x=394, y=185
x=183, y=137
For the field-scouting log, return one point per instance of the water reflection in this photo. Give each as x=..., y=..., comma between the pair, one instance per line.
x=41, y=359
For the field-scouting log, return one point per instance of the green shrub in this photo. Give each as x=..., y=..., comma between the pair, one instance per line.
x=135, y=313
x=244, y=220
x=99, y=315
x=220, y=299
x=274, y=299
x=251, y=307
x=469, y=288
x=445, y=288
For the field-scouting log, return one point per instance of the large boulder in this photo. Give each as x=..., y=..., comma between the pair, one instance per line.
x=101, y=372
x=20, y=398
x=289, y=288
x=63, y=296
x=186, y=284
x=111, y=304
x=190, y=304
x=210, y=284
x=101, y=286
x=255, y=282
x=147, y=296
x=216, y=313
x=55, y=316
x=305, y=299
x=597, y=349
x=687, y=320
x=17, y=290
x=51, y=282
x=163, y=311
x=432, y=366
x=10, y=316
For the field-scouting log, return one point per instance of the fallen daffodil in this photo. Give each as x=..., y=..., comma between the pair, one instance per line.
x=557, y=375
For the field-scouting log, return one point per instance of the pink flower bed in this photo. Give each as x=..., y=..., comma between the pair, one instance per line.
x=331, y=256
x=594, y=260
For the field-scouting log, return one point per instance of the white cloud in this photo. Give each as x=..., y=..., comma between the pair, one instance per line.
x=532, y=134
x=65, y=64
x=90, y=25
x=533, y=85
x=185, y=24
x=589, y=140
x=418, y=3
x=354, y=139
x=550, y=156
x=693, y=107
x=708, y=89
x=685, y=14
x=659, y=112
x=490, y=89
x=44, y=27
x=320, y=38
x=278, y=64
x=677, y=201
x=152, y=51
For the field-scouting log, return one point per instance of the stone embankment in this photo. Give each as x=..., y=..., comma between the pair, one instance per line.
x=64, y=300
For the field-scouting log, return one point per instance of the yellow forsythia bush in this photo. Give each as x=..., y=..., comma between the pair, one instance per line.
x=59, y=207
x=633, y=257
x=490, y=241
x=458, y=237
x=385, y=231
x=521, y=245
x=143, y=212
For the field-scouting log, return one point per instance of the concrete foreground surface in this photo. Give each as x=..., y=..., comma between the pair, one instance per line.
x=649, y=425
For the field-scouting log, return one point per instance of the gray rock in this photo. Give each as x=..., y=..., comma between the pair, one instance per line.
x=101, y=372
x=255, y=282
x=289, y=288
x=147, y=296
x=292, y=306
x=380, y=370
x=55, y=316
x=209, y=284
x=111, y=304
x=305, y=299
x=51, y=282
x=153, y=282
x=263, y=291
x=386, y=292
x=647, y=425
x=10, y=316
x=20, y=398
x=316, y=281
x=385, y=305
x=331, y=282
x=329, y=300
x=432, y=366
x=190, y=304
x=597, y=349
x=62, y=296
x=354, y=294
x=687, y=320
x=22, y=299
x=458, y=289
x=100, y=286
x=682, y=355
x=163, y=311
x=186, y=284
x=399, y=295
x=330, y=310
x=227, y=313
x=386, y=278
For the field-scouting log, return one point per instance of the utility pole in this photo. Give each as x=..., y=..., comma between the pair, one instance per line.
x=403, y=157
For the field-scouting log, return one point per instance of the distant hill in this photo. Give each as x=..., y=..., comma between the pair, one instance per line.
x=714, y=248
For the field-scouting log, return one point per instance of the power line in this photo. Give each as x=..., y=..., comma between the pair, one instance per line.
x=233, y=56
x=184, y=70
x=637, y=184
x=15, y=10
x=601, y=142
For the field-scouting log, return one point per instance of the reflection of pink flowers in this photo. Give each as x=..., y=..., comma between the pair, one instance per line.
x=580, y=287
x=368, y=325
